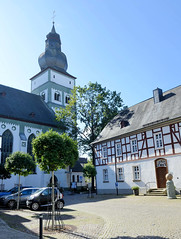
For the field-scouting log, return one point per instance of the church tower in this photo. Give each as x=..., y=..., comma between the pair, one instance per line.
x=53, y=83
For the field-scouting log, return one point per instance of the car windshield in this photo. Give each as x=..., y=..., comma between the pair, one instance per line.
x=13, y=190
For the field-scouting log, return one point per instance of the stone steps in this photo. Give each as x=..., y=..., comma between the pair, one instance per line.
x=156, y=192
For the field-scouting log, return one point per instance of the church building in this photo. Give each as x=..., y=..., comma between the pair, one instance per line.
x=25, y=115
x=141, y=145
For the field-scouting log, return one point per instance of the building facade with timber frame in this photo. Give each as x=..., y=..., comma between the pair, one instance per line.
x=141, y=145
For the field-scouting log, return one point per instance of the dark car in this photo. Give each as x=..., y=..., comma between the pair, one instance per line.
x=43, y=198
x=10, y=201
x=13, y=190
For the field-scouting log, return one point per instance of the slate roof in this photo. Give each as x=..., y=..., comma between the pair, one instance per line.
x=24, y=106
x=144, y=115
x=78, y=167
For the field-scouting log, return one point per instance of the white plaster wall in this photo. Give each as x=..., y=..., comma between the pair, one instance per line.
x=39, y=80
x=62, y=79
x=83, y=183
x=174, y=167
x=147, y=171
x=29, y=130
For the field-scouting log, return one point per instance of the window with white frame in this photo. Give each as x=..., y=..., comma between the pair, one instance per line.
x=105, y=175
x=136, y=173
x=158, y=140
x=120, y=174
x=134, y=147
x=57, y=96
x=104, y=152
x=118, y=149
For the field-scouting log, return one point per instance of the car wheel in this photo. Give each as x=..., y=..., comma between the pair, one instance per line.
x=35, y=206
x=59, y=204
x=11, y=204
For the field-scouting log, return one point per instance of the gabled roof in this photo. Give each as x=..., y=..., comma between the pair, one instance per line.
x=23, y=106
x=51, y=68
x=78, y=167
x=144, y=115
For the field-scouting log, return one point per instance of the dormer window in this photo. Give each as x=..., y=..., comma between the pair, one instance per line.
x=57, y=96
x=123, y=123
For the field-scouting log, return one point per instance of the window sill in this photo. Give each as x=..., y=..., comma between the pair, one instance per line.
x=136, y=180
x=121, y=181
x=105, y=181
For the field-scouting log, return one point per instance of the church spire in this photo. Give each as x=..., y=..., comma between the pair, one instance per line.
x=53, y=29
x=53, y=57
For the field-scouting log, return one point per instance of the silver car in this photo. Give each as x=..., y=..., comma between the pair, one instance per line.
x=10, y=201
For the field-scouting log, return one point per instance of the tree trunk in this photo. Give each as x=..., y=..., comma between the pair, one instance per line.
x=53, y=202
x=18, y=193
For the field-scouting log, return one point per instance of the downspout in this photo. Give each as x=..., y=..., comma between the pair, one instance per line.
x=116, y=176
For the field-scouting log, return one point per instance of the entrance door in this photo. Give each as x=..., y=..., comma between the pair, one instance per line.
x=161, y=171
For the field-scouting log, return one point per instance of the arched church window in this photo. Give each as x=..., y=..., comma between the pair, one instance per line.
x=43, y=95
x=29, y=147
x=7, y=145
x=57, y=96
x=67, y=98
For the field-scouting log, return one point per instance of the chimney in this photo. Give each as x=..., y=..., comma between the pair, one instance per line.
x=157, y=95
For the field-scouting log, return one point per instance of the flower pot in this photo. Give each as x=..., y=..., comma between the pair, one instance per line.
x=136, y=192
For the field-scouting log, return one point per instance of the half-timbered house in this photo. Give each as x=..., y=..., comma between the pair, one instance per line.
x=140, y=145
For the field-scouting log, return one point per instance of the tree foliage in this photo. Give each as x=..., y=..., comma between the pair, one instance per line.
x=89, y=110
x=89, y=170
x=4, y=174
x=54, y=151
x=20, y=163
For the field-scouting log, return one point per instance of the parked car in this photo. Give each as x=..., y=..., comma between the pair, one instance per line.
x=10, y=201
x=13, y=190
x=43, y=198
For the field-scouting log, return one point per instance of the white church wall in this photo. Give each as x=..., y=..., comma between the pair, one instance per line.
x=31, y=130
x=39, y=80
x=61, y=79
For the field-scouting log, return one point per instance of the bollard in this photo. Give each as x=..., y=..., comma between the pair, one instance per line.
x=41, y=226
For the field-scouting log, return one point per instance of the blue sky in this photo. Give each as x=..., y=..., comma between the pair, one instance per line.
x=131, y=46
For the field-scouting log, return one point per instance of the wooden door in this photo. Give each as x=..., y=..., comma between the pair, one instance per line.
x=161, y=171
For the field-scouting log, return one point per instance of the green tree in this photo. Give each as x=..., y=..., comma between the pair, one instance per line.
x=20, y=163
x=52, y=152
x=89, y=110
x=89, y=170
x=4, y=174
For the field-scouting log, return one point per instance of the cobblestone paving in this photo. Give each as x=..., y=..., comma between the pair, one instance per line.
x=113, y=217
x=135, y=217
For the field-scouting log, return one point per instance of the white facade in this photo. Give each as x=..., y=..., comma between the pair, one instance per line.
x=40, y=178
x=141, y=159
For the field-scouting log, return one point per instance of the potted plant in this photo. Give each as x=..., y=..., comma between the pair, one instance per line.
x=135, y=190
